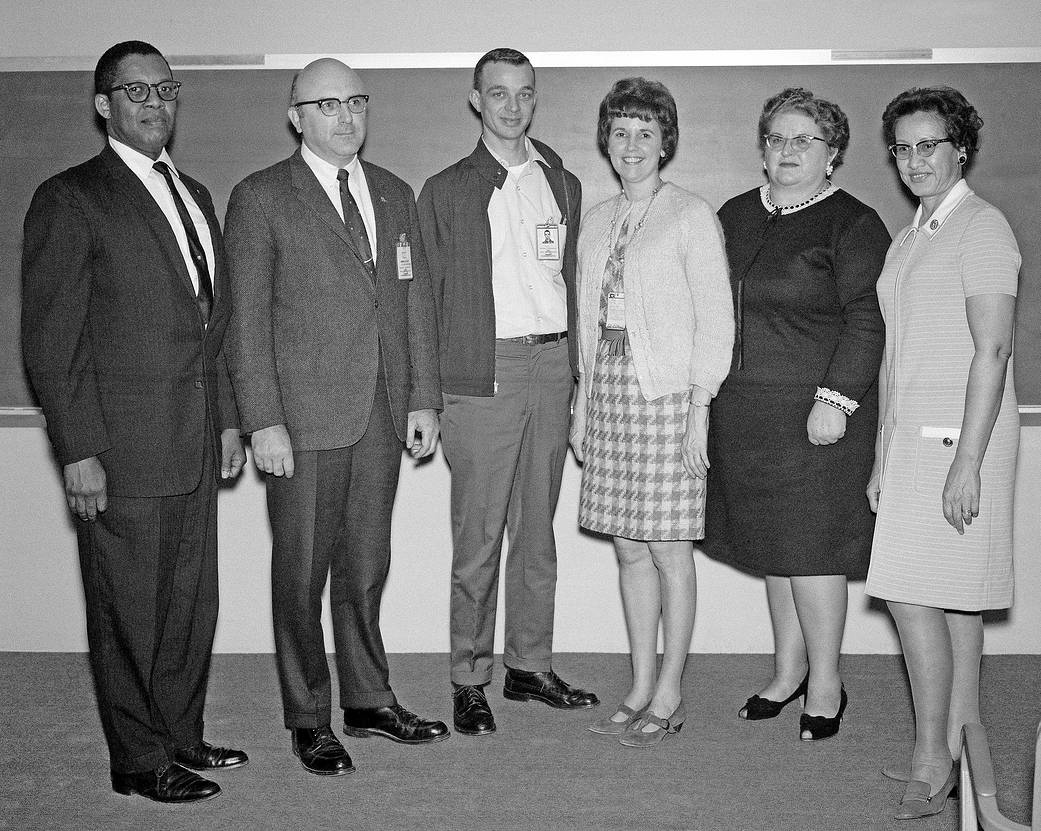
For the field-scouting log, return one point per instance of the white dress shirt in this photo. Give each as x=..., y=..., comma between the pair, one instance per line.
x=356, y=184
x=152, y=179
x=529, y=294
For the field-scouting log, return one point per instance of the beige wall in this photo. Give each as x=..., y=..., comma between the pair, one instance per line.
x=41, y=606
x=40, y=599
x=46, y=28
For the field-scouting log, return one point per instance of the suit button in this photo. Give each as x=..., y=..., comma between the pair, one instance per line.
x=947, y=442
x=198, y=383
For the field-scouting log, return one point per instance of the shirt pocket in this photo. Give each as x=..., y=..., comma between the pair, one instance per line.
x=934, y=453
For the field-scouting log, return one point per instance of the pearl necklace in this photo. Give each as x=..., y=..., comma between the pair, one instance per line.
x=792, y=208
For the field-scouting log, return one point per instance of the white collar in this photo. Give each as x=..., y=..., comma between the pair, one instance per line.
x=322, y=169
x=951, y=201
x=137, y=161
x=533, y=155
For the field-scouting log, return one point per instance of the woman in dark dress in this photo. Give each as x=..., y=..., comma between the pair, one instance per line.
x=793, y=428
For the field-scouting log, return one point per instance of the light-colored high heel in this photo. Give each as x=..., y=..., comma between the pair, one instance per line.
x=636, y=736
x=917, y=802
x=607, y=726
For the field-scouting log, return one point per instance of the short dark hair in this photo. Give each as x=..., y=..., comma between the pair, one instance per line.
x=501, y=55
x=643, y=99
x=959, y=117
x=107, y=70
x=829, y=117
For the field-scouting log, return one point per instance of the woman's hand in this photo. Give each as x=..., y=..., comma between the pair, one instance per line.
x=577, y=434
x=874, y=487
x=826, y=424
x=695, y=442
x=961, y=494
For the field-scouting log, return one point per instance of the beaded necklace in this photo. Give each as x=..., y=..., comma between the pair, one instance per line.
x=793, y=208
x=639, y=225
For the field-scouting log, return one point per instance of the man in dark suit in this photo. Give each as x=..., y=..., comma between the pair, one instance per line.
x=123, y=318
x=333, y=352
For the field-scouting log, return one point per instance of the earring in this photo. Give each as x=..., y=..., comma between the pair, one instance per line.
x=829, y=170
x=764, y=164
x=662, y=152
x=962, y=158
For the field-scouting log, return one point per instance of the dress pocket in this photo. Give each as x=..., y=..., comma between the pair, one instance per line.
x=933, y=456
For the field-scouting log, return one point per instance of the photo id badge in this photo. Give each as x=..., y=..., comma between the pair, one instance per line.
x=404, y=258
x=615, y=310
x=547, y=241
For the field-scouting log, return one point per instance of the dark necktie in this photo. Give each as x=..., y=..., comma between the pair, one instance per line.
x=204, y=297
x=355, y=224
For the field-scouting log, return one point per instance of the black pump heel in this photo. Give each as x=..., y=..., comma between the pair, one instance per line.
x=822, y=727
x=758, y=708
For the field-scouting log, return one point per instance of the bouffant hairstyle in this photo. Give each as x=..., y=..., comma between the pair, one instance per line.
x=643, y=99
x=959, y=117
x=829, y=117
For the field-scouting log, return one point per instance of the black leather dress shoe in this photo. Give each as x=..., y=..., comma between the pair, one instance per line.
x=394, y=722
x=470, y=711
x=170, y=783
x=320, y=751
x=547, y=687
x=204, y=756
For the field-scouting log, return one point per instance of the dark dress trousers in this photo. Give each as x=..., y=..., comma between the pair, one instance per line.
x=125, y=370
x=340, y=357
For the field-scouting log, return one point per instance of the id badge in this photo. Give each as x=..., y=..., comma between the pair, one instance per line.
x=615, y=310
x=404, y=250
x=547, y=241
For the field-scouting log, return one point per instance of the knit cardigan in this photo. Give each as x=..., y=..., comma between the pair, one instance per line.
x=679, y=313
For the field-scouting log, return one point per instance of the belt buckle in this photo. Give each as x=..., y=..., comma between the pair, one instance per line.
x=531, y=340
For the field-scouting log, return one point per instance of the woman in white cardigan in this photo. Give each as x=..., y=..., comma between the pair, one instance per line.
x=656, y=332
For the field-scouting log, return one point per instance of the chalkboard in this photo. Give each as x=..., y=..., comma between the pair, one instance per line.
x=232, y=122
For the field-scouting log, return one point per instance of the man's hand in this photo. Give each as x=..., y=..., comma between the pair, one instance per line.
x=85, y=488
x=272, y=451
x=421, y=433
x=826, y=424
x=232, y=455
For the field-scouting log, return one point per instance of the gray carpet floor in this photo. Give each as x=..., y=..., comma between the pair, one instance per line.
x=541, y=770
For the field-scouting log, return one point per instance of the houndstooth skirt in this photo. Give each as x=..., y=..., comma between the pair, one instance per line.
x=633, y=482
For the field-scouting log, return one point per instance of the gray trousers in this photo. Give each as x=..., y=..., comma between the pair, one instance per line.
x=506, y=453
x=331, y=521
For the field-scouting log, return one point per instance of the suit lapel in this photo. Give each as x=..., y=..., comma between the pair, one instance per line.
x=385, y=246
x=195, y=189
x=310, y=193
x=221, y=297
x=123, y=179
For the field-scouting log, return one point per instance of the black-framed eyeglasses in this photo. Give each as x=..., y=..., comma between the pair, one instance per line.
x=800, y=144
x=138, y=91
x=331, y=107
x=925, y=148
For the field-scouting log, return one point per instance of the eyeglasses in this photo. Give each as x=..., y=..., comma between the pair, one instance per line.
x=138, y=91
x=923, y=148
x=356, y=104
x=799, y=144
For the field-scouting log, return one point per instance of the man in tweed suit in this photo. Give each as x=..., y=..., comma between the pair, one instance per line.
x=333, y=354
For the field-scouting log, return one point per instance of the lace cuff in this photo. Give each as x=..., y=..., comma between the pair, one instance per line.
x=836, y=400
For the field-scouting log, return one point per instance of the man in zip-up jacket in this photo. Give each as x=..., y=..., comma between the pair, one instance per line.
x=500, y=229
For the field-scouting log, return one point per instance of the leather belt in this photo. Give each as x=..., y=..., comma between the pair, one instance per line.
x=534, y=340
